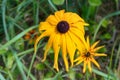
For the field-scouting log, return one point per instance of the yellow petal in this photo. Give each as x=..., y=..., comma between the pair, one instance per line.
x=78, y=58
x=66, y=16
x=64, y=52
x=89, y=66
x=94, y=45
x=79, y=25
x=70, y=48
x=88, y=43
x=52, y=20
x=46, y=33
x=75, y=18
x=56, y=48
x=80, y=61
x=95, y=62
x=97, y=48
x=78, y=33
x=101, y=54
x=84, y=67
x=44, y=26
x=86, y=24
x=48, y=46
x=77, y=42
x=59, y=14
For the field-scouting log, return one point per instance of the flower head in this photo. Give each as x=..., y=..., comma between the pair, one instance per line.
x=65, y=32
x=88, y=55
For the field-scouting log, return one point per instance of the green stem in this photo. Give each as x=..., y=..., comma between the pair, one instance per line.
x=117, y=56
x=91, y=11
x=33, y=58
x=87, y=74
x=10, y=75
x=111, y=58
x=3, y=19
x=66, y=5
x=53, y=6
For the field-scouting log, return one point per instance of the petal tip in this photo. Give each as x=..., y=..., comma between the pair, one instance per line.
x=86, y=24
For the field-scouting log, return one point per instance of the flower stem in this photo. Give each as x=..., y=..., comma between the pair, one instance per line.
x=53, y=6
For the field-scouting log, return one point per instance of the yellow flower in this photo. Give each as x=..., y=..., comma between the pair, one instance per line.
x=65, y=32
x=88, y=55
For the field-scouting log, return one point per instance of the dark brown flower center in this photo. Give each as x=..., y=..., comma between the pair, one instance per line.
x=87, y=54
x=63, y=26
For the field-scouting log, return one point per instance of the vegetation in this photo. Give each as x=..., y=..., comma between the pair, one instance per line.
x=19, y=20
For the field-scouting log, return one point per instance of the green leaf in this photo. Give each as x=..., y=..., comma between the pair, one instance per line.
x=3, y=51
x=106, y=36
x=105, y=23
x=109, y=77
x=19, y=44
x=58, y=2
x=56, y=77
x=40, y=66
x=95, y=2
x=71, y=75
x=10, y=60
x=78, y=75
x=49, y=74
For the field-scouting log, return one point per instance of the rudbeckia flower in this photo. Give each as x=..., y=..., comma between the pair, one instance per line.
x=88, y=56
x=65, y=32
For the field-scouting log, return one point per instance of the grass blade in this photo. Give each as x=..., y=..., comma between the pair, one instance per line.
x=99, y=25
x=1, y=77
x=17, y=37
x=52, y=5
x=102, y=74
x=3, y=19
x=19, y=64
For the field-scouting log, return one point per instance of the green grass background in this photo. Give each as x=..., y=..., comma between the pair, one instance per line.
x=17, y=58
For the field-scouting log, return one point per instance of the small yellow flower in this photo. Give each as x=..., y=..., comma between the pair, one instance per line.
x=88, y=55
x=65, y=32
